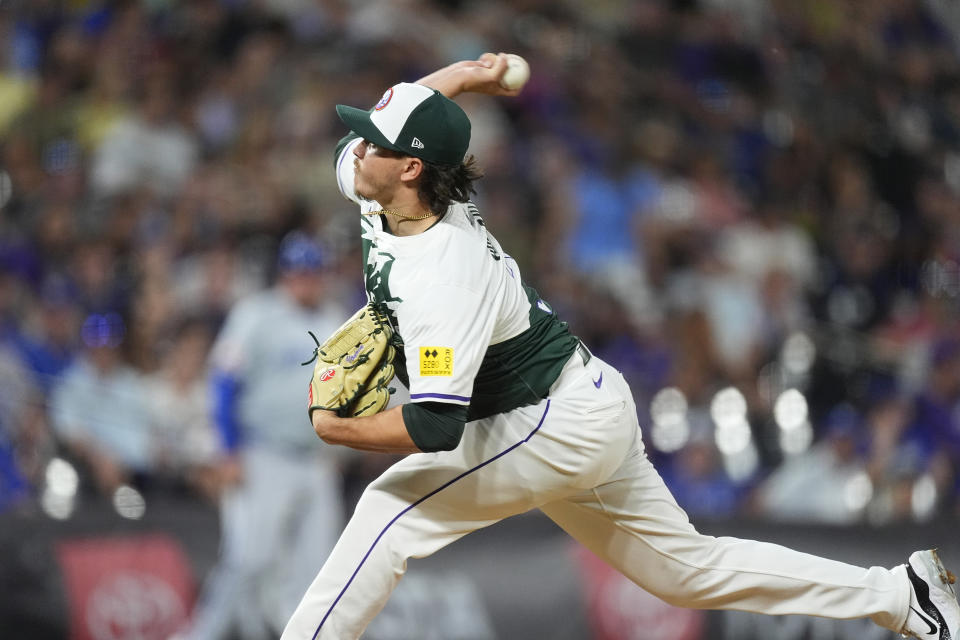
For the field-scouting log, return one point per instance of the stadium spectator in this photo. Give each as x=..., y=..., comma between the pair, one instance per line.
x=98, y=410
x=150, y=149
x=49, y=345
x=827, y=483
x=697, y=479
x=183, y=436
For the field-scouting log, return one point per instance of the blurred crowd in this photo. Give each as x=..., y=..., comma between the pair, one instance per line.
x=750, y=207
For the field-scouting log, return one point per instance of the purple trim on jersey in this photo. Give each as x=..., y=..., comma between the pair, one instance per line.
x=343, y=154
x=420, y=501
x=442, y=396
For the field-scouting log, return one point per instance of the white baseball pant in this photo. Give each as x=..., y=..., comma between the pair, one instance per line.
x=579, y=458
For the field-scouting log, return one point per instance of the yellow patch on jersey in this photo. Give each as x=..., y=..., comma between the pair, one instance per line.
x=436, y=361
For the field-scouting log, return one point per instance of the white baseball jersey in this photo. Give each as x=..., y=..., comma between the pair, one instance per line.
x=473, y=334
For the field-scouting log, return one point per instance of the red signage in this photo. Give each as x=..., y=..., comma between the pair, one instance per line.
x=126, y=588
x=620, y=610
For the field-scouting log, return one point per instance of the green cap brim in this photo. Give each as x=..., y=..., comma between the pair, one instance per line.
x=359, y=122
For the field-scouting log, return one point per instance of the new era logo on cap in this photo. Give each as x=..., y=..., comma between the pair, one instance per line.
x=415, y=120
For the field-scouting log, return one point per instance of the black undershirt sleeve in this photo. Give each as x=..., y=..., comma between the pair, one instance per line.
x=435, y=426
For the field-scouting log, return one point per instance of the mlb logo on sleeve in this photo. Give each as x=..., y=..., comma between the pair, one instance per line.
x=436, y=361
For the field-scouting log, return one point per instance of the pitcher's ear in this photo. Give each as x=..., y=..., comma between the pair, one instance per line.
x=412, y=168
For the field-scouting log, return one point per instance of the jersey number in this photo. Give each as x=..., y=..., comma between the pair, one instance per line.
x=475, y=215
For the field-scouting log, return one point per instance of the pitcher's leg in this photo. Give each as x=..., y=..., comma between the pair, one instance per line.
x=634, y=523
x=506, y=464
x=365, y=566
x=418, y=506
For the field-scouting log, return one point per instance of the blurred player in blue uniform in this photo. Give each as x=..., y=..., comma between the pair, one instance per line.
x=281, y=504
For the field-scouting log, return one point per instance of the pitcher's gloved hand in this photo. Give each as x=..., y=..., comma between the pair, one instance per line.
x=354, y=366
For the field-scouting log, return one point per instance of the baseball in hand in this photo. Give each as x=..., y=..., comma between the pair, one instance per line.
x=517, y=73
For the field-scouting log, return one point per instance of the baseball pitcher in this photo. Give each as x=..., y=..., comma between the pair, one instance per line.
x=509, y=412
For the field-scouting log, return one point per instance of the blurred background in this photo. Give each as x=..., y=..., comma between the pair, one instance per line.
x=750, y=207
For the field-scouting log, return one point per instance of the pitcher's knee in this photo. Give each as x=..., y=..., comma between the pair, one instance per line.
x=389, y=530
x=684, y=575
x=675, y=599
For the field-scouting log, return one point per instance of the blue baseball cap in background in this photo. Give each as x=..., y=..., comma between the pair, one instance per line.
x=299, y=252
x=843, y=421
x=103, y=330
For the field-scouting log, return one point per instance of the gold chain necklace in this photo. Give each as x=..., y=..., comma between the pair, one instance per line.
x=389, y=212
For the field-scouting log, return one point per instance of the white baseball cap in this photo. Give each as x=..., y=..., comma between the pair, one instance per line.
x=414, y=120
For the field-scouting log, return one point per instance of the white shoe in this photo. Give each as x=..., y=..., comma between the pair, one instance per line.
x=934, y=611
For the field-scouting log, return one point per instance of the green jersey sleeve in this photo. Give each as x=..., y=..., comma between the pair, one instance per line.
x=434, y=426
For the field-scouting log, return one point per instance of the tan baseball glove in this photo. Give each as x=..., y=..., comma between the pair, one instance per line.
x=354, y=366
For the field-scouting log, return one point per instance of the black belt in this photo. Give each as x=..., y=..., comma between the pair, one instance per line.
x=583, y=352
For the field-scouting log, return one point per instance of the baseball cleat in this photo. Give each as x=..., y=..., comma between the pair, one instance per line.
x=934, y=612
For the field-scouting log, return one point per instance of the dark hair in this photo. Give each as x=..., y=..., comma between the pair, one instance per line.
x=442, y=185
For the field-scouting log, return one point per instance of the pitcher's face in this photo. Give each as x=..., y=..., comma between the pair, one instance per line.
x=376, y=172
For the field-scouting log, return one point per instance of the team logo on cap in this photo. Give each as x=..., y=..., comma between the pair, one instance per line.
x=385, y=100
